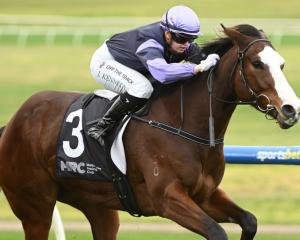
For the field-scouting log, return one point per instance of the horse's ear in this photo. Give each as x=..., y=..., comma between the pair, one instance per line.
x=263, y=34
x=238, y=38
x=224, y=28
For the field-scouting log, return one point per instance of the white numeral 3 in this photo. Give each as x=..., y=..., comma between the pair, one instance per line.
x=79, y=149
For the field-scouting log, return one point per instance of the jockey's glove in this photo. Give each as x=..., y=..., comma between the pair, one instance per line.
x=210, y=61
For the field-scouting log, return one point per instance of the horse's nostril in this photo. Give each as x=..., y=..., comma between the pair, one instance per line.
x=288, y=111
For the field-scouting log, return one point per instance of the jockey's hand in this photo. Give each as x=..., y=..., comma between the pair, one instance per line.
x=210, y=61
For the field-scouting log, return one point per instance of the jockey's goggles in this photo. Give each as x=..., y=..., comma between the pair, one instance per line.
x=182, y=38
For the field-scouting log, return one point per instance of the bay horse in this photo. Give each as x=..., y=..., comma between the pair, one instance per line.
x=170, y=176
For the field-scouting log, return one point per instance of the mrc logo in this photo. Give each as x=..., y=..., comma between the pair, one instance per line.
x=73, y=167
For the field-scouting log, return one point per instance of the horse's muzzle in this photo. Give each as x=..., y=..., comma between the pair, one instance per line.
x=287, y=116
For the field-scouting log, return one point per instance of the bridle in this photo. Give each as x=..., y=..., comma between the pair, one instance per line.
x=240, y=62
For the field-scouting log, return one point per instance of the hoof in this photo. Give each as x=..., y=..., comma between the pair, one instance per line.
x=249, y=226
x=217, y=233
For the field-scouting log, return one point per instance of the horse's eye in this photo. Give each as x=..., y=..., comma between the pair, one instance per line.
x=282, y=66
x=258, y=64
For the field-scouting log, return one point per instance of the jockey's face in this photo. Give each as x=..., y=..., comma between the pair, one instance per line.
x=177, y=44
x=178, y=47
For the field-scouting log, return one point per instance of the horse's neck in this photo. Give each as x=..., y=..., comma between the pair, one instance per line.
x=197, y=108
x=196, y=104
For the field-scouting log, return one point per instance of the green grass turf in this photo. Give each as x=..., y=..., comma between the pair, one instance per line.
x=150, y=236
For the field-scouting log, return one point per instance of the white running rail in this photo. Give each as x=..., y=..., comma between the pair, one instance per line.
x=50, y=27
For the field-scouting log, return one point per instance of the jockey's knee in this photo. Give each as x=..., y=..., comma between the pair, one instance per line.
x=119, y=78
x=141, y=89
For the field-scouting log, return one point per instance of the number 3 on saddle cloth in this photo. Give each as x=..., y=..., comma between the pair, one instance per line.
x=80, y=156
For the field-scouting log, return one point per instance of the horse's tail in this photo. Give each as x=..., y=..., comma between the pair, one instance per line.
x=1, y=130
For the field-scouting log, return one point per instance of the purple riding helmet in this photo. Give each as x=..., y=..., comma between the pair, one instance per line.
x=181, y=20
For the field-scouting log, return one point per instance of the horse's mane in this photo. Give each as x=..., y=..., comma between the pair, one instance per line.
x=222, y=44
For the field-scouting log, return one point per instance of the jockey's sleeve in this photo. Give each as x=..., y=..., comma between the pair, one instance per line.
x=151, y=54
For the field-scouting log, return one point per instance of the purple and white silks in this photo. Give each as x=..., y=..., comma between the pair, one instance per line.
x=151, y=54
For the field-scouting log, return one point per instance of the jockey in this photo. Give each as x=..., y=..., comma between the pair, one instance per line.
x=123, y=61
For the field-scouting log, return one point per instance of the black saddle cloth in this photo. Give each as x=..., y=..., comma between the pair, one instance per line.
x=78, y=155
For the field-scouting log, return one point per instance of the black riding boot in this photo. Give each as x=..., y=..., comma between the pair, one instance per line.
x=123, y=104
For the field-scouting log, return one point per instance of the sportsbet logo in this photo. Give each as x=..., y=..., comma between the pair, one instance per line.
x=279, y=155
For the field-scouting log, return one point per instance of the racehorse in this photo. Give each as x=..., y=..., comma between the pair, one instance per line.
x=170, y=176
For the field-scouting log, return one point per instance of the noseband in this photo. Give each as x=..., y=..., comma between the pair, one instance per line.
x=240, y=62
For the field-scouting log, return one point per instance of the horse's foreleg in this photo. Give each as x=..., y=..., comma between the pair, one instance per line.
x=179, y=207
x=104, y=222
x=222, y=209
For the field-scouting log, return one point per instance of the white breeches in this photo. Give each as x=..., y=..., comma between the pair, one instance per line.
x=117, y=77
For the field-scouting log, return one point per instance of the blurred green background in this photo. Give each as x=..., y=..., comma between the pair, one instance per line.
x=129, y=8
x=47, y=45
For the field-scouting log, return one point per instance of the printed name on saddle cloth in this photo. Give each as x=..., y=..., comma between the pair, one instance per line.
x=119, y=73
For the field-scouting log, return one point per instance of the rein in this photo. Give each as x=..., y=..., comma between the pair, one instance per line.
x=178, y=131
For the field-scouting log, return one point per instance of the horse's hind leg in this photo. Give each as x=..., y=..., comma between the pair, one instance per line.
x=222, y=209
x=33, y=204
x=104, y=223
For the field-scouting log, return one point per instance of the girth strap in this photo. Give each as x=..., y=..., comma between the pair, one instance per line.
x=122, y=187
